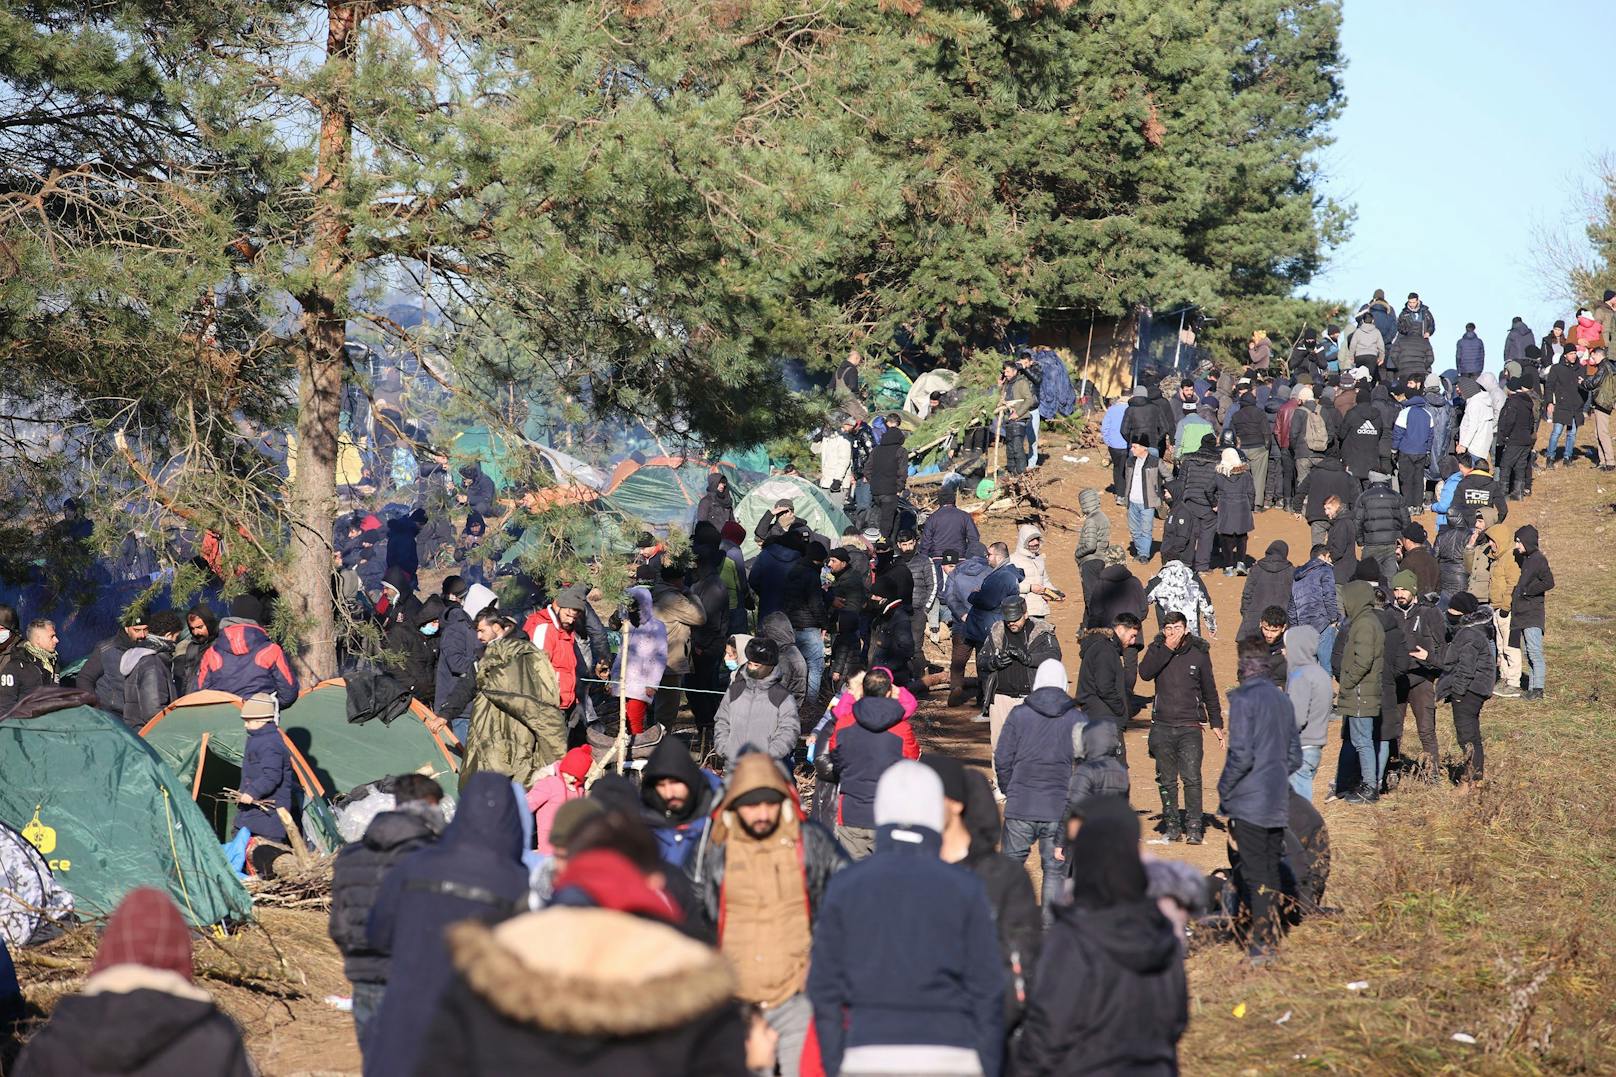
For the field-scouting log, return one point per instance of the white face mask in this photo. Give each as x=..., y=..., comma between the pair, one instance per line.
x=5, y=634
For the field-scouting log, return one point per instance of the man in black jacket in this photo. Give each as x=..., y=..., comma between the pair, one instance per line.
x=1380, y=517
x=356, y=877
x=1527, y=606
x=1194, y=494
x=1249, y=424
x=1186, y=703
x=148, y=670
x=1009, y=659
x=1425, y=633
x=1517, y=433
x=888, y=475
x=1477, y=493
x=1103, y=687
x=1327, y=477
x=1142, y=423
x=921, y=601
x=100, y=673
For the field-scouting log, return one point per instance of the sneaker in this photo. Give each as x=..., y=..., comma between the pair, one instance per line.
x=1364, y=794
x=981, y=718
x=1194, y=837
x=1228, y=570
x=1533, y=694
x=1509, y=691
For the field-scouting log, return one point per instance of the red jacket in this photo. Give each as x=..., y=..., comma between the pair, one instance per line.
x=544, y=629
x=245, y=661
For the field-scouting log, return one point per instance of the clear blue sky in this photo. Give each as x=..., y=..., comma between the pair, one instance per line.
x=1467, y=127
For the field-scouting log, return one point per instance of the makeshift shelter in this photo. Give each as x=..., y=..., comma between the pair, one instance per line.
x=201, y=737
x=814, y=506
x=918, y=400
x=889, y=390
x=107, y=814
x=494, y=451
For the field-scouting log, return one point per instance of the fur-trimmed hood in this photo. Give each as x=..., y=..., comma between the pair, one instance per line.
x=590, y=972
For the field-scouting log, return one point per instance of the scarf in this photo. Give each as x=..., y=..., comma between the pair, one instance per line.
x=46, y=658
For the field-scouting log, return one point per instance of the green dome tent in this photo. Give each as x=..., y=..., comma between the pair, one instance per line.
x=816, y=507
x=108, y=815
x=664, y=490
x=201, y=736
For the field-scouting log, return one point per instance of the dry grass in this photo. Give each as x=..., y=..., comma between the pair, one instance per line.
x=1487, y=915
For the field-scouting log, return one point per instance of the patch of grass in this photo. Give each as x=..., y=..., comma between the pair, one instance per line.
x=1487, y=914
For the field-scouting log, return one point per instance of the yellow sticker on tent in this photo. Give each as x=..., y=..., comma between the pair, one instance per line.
x=41, y=836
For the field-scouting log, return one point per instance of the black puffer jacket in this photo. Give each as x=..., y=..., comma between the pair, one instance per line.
x=1452, y=549
x=1328, y=477
x=1469, y=662
x=1537, y=580
x=1379, y=516
x=1015, y=907
x=148, y=680
x=1101, y=773
x=888, y=467
x=1142, y=422
x=1197, y=482
x=357, y=874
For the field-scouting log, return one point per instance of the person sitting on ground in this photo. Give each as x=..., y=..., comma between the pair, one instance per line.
x=1109, y=994
x=140, y=1012
x=356, y=876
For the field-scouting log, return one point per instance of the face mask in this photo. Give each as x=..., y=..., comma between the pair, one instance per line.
x=430, y=630
x=1454, y=618
x=731, y=664
x=5, y=634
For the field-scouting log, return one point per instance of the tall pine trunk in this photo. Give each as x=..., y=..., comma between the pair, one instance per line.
x=320, y=367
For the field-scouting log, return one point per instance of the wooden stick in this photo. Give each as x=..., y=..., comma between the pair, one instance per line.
x=294, y=837
x=201, y=759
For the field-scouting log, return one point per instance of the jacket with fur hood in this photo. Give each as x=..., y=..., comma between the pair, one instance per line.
x=1308, y=685
x=1102, y=688
x=572, y=991
x=1034, y=573
x=1267, y=584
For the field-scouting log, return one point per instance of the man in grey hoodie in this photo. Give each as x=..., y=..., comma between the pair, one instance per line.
x=1311, y=693
x=757, y=711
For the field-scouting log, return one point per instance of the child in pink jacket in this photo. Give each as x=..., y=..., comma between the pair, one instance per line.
x=554, y=790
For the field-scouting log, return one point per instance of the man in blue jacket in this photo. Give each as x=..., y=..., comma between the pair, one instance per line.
x=1254, y=791
x=1116, y=444
x=917, y=992
x=1411, y=441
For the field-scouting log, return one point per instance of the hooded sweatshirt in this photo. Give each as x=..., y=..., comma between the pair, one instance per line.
x=1308, y=686
x=756, y=713
x=678, y=830
x=1527, y=599
x=644, y=656
x=1034, y=573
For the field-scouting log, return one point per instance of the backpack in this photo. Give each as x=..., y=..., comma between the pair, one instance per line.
x=1314, y=433
x=1605, y=395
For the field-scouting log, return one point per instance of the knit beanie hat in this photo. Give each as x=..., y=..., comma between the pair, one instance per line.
x=1368, y=570
x=952, y=773
x=1415, y=532
x=146, y=929
x=576, y=763
x=909, y=794
x=247, y=608
x=1406, y=581
x=570, y=817
x=1464, y=602
x=733, y=532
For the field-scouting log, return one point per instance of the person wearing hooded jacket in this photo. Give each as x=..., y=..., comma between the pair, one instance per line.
x=1423, y=631
x=601, y=983
x=1311, y=693
x=356, y=877
x=1104, y=681
x=677, y=797
x=1254, y=789
x=516, y=726
x=1362, y=671
x=641, y=660
x=1468, y=664
x=140, y=1013
x=147, y=670
x=244, y=660
x=473, y=872
x=761, y=873
x=1110, y=994
x=922, y=992
x=457, y=652
x=477, y=490
x=757, y=712
x=1115, y=590
x=202, y=628
x=971, y=839
x=1268, y=583
x=1527, y=605
x=717, y=505
x=887, y=472
x=1410, y=353
x=1032, y=764
x=859, y=751
x=1029, y=557
x=1520, y=338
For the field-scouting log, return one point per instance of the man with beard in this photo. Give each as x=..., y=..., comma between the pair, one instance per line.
x=678, y=797
x=762, y=873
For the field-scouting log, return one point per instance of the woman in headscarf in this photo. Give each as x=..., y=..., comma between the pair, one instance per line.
x=1109, y=995
x=1237, y=502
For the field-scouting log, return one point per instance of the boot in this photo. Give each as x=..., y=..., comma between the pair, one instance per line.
x=1175, y=830
x=1194, y=835
x=1364, y=794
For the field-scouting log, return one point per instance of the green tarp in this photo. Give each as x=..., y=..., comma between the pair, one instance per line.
x=493, y=450
x=108, y=816
x=344, y=755
x=665, y=494
x=815, y=506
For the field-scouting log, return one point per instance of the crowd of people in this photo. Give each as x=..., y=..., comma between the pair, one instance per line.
x=731, y=911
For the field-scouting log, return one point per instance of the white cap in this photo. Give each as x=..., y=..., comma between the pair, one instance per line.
x=478, y=598
x=909, y=794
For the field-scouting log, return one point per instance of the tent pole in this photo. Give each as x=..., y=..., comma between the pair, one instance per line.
x=1088, y=350
x=201, y=759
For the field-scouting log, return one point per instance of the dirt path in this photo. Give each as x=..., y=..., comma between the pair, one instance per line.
x=1058, y=483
